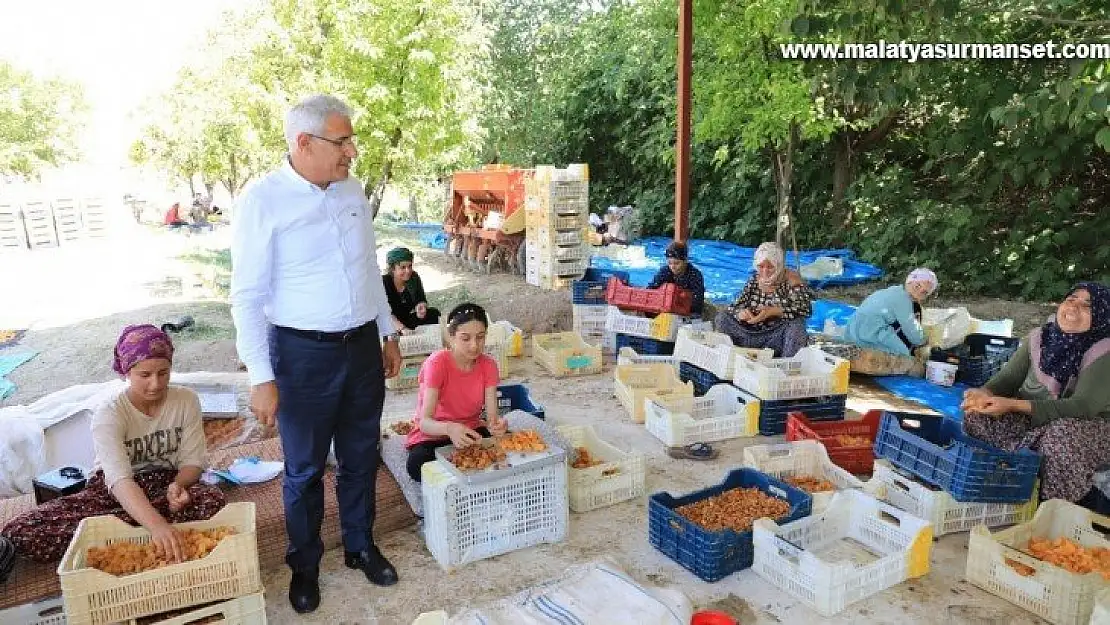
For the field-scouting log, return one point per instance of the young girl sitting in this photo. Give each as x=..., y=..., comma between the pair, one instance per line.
x=455, y=385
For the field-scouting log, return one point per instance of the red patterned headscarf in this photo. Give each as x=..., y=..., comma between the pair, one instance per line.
x=139, y=343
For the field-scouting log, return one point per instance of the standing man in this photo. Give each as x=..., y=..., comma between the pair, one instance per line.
x=309, y=308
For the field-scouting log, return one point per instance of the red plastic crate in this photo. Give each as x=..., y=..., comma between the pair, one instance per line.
x=856, y=459
x=666, y=299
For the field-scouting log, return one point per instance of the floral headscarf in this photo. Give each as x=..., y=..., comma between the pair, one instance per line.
x=139, y=343
x=1062, y=353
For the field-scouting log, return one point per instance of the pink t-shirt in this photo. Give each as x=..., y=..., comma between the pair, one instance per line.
x=462, y=394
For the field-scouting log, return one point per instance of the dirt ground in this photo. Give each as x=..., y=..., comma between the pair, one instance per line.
x=153, y=277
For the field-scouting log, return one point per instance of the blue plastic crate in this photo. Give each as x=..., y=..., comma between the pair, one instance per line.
x=645, y=346
x=978, y=358
x=591, y=288
x=774, y=414
x=937, y=451
x=715, y=555
x=516, y=397
x=703, y=380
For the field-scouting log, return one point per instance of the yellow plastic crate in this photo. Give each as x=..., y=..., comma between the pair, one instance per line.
x=408, y=376
x=248, y=610
x=93, y=597
x=566, y=353
x=636, y=384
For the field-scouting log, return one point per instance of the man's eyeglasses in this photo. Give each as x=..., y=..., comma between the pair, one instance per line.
x=339, y=143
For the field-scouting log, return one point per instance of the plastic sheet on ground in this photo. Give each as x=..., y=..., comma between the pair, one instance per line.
x=727, y=266
x=944, y=399
x=431, y=235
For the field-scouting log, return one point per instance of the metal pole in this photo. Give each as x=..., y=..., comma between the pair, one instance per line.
x=682, y=145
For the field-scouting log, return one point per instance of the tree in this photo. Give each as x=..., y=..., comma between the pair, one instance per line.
x=412, y=72
x=39, y=121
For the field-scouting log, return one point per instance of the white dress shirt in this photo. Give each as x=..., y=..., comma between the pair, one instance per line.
x=302, y=257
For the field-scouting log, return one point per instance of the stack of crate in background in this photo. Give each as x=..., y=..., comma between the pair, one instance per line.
x=590, y=309
x=556, y=216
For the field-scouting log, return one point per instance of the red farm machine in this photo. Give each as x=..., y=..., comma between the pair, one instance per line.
x=485, y=221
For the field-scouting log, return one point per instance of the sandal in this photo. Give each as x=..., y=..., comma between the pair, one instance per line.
x=697, y=451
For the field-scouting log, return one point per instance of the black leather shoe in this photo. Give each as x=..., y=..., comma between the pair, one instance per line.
x=304, y=591
x=377, y=569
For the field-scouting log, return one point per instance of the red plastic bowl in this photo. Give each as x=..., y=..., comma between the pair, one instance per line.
x=712, y=617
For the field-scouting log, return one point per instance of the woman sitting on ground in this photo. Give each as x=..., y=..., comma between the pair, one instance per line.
x=456, y=384
x=1053, y=398
x=889, y=320
x=772, y=309
x=149, y=444
x=683, y=274
x=406, y=293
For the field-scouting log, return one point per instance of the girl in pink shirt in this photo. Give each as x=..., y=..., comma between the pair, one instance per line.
x=455, y=385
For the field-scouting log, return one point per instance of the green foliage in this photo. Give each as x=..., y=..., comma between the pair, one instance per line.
x=39, y=121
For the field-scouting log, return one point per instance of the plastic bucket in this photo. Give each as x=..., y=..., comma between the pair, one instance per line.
x=941, y=373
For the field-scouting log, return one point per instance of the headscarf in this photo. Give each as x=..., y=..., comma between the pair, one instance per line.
x=398, y=255
x=1062, y=353
x=677, y=250
x=139, y=343
x=923, y=274
x=772, y=253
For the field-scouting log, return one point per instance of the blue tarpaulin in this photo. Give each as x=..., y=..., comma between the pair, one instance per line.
x=944, y=399
x=727, y=266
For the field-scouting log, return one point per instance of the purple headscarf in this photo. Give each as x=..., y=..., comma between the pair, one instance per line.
x=1062, y=353
x=139, y=343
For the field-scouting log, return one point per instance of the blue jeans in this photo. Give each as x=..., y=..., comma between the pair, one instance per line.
x=326, y=391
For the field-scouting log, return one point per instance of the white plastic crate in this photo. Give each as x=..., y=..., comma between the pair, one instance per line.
x=939, y=508
x=465, y=522
x=546, y=237
x=628, y=356
x=724, y=412
x=635, y=383
x=423, y=341
x=246, y=610
x=499, y=351
x=856, y=548
x=663, y=327
x=619, y=478
x=810, y=373
x=1050, y=592
x=714, y=351
x=588, y=320
x=801, y=458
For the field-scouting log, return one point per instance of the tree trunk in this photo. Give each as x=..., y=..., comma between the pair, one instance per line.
x=414, y=213
x=784, y=182
x=842, y=175
x=192, y=187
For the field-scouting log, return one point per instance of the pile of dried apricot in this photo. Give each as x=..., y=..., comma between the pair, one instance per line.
x=735, y=509
x=402, y=428
x=810, y=483
x=1068, y=555
x=524, y=440
x=128, y=558
x=848, y=440
x=477, y=457
x=583, y=459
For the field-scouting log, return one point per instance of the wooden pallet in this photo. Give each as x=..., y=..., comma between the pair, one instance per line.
x=38, y=220
x=94, y=216
x=13, y=237
x=67, y=220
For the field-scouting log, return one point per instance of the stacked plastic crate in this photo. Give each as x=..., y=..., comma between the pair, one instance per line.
x=589, y=308
x=415, y=349
x=556, y=216
x=626, y=324
x=927, y=465
x=812, y=382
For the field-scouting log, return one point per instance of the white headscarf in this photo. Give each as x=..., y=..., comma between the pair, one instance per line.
x=772, y=253
x=923, y=274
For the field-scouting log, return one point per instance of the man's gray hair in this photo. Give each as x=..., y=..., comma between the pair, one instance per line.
x=308, y=116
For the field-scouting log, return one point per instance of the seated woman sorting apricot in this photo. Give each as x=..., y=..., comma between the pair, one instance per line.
x=1053, y=396
x=405, y=292
x=149, y=443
